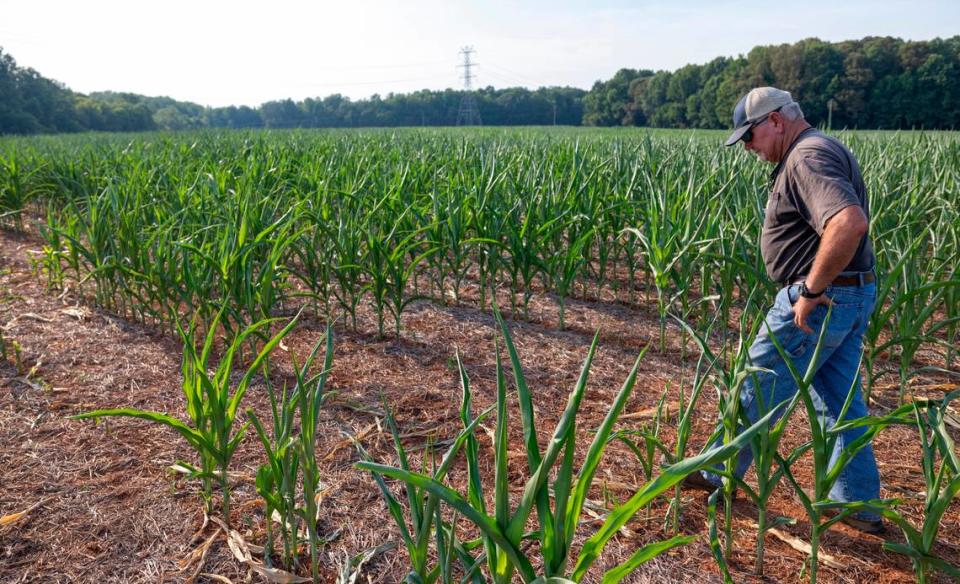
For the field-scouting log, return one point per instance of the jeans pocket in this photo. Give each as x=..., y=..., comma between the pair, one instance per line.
x=791, y=338
x=799, y=343
x=782, y=309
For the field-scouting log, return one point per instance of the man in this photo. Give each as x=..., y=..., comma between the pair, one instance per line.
x=815, y=244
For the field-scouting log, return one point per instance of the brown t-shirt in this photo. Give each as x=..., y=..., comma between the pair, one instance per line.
x=817, y=178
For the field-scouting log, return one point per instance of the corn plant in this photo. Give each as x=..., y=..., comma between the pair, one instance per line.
x=490, y=223
x=348, y=270
x=450, y=232
x=942, y=488
x=522, y=261
x=247, y=262
x=826, y=470
x=211, y=405
x=730, y=379
x=663, y=251
x=311, y=396
x=19, y=185
x=686, y=409
x=765, y=445
x=276, y=481
x=312, y=263
x=389, y=273
x=503, y=531
x=645, y=443
x=425, y=512
x=566, y=266
x=670, y=476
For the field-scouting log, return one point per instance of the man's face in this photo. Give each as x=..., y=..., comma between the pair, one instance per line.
x=764, y=142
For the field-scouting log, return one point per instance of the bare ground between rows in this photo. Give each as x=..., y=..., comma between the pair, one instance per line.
x=105, y=507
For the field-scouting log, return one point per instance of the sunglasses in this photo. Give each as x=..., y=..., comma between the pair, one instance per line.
x=748, y=135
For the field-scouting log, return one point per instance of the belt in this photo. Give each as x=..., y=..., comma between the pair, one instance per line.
x=861, y=279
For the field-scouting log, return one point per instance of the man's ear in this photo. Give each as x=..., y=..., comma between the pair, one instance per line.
x=778, y=121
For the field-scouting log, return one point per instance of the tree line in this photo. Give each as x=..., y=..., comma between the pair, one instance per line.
x=876, y=82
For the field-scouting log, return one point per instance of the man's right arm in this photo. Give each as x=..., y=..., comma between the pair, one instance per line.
x=838, y=244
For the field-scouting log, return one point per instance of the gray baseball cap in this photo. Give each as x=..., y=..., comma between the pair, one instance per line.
x=753, y=106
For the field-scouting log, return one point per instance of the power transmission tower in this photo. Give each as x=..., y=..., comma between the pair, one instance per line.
x=469, y=114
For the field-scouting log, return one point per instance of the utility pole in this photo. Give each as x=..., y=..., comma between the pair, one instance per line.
x=469, y=114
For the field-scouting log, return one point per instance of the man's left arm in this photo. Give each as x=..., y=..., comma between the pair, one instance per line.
x=838, y=244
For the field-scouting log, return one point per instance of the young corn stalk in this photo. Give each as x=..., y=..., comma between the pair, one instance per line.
x=247, y=262
x=490, y=224
x=312, y=254
x=665, y=247
x=730, y=380
x=566, y=268
x=686, y=409
x=645, y=443
x=942, y=488
x=449, y=231
x=670, y=476
x=291, y=467
x=503, y=531
x=522, y=262
x=389, y=272
x=824, y=439
x=765, y=445
x=915, y=321
x=424, y=508
x=211, y=405
x=17, y=190
x=276, y=481
x=312, y=393
x=350, y=256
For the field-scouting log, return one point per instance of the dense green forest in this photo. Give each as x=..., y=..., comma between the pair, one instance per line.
x=876, y=82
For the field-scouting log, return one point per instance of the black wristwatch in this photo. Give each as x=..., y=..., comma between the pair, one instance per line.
x=806, y=293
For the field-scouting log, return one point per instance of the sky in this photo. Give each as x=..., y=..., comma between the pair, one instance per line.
x=219, y=53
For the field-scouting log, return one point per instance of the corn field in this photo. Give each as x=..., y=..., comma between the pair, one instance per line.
x=235, y=231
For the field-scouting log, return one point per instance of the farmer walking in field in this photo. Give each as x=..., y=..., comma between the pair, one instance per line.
x=815, y=245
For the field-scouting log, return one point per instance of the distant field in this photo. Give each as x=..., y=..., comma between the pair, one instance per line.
x=153, y=224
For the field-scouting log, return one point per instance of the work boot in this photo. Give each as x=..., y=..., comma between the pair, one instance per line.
x=696, y=480
x=863, y=522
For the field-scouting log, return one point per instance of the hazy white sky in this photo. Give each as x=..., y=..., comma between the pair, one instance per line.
x=219, y=53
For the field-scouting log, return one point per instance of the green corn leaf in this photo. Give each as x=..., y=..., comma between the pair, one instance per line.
x=195, y=438
x=670, y=476
x=715, y=547
x=643, y=555
x=566, y=424
x=484, y=522
x=600, y=440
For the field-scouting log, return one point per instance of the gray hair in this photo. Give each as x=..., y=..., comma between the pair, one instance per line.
x=792, y=111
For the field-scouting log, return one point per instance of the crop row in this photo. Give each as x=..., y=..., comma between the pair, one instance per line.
x=164, y=225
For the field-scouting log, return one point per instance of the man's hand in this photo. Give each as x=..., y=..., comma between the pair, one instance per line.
x=804, y=306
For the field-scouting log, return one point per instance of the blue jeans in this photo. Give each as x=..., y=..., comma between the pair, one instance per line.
x=837, y=371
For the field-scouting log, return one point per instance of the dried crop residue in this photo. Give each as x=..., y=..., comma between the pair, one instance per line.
x=97, y=502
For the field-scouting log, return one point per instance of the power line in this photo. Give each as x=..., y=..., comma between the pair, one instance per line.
x=508, y=81
x=366, y=67
x=333, y=83
x=516, y=77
